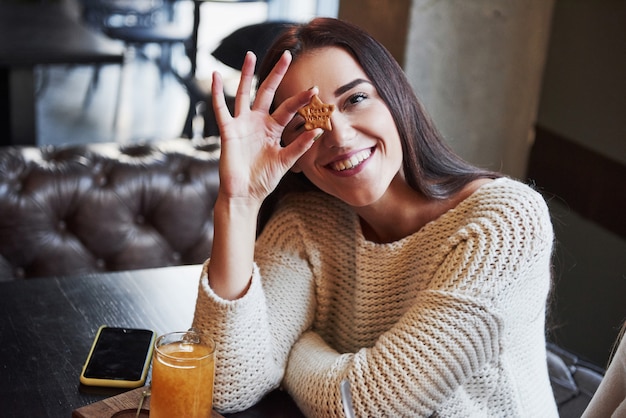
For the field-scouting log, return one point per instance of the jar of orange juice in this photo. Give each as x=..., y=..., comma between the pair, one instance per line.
x=183, y=370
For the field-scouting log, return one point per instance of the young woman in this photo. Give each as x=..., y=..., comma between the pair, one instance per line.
x=398, y=266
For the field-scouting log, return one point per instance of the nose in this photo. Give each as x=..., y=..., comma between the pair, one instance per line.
x=342, y=131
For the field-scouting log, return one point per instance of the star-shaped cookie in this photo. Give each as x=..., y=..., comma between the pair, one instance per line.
x=317, y=114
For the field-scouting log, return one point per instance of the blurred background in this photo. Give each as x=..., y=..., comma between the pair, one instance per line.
x=152, y=104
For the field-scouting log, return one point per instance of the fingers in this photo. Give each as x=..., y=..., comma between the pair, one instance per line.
x=302, y=144
x=222, y=114
x=286, y=111
x=242, y=100
x=265, y=94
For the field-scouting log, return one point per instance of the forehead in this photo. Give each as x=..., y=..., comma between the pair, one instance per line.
x=327, y=68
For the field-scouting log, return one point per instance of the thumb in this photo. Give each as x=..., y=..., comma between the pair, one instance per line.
x=300, y=146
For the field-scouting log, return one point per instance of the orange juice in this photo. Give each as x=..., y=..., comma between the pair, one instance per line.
x=182, y=379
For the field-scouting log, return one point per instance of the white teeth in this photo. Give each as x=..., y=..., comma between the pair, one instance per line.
x=353, y=161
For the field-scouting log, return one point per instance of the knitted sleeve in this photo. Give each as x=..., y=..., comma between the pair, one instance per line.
x=411, y=370
x=255, y=333
x=485, y=279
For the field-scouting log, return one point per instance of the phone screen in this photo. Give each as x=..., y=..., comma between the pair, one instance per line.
x=120, y=354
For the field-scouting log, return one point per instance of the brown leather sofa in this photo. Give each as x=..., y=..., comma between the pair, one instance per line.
x=106, y=207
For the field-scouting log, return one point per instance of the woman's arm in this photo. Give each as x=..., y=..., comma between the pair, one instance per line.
x=252, y=162
x=255, y=333
x=232, y=305
x=410, y=371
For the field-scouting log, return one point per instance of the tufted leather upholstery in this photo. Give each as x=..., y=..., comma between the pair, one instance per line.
x=574, y=381
x=106, y=207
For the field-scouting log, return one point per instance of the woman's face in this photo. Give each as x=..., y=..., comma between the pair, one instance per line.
x=358, y=159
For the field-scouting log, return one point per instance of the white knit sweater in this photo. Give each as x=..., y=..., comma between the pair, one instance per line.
x=448, y=321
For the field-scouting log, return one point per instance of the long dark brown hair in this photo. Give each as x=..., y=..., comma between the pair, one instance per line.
x=429, y=164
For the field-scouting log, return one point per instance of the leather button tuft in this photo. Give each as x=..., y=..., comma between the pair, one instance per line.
x=181, y=177
x=176, y=256
x=19, y=272
x=140, y=220
x=101, y=264
x=101, y=180
x=62, y=225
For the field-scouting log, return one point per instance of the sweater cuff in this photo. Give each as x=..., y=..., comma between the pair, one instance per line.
x=253, y=290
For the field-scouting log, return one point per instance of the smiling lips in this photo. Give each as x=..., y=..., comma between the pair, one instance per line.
x=351, y=162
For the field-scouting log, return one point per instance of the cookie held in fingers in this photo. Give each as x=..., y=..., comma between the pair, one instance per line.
x=317, y=114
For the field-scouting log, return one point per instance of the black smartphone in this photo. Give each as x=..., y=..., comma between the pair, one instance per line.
x=119, y=357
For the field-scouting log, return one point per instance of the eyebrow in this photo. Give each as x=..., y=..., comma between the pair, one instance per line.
x=349, y=86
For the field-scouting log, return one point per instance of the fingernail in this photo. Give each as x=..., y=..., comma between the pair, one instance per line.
x=311, y=88
x=317, y=136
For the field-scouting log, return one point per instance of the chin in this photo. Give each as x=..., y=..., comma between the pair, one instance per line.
x=361, y=200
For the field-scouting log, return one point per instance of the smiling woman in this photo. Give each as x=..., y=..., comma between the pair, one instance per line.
x=360, y=157
x=390, y=264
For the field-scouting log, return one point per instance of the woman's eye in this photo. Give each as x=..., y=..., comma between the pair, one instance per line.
x=356, y=98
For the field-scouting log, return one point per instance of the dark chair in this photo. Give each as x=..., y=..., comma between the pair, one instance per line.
x=138, y=24
x=574, y=381
x=231, y=51
x=256, y=38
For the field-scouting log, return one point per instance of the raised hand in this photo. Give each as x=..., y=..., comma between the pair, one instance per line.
x=252, y=162
x=252, y=158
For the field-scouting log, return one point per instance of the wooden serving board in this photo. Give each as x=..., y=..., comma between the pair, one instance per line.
x=120, y=406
